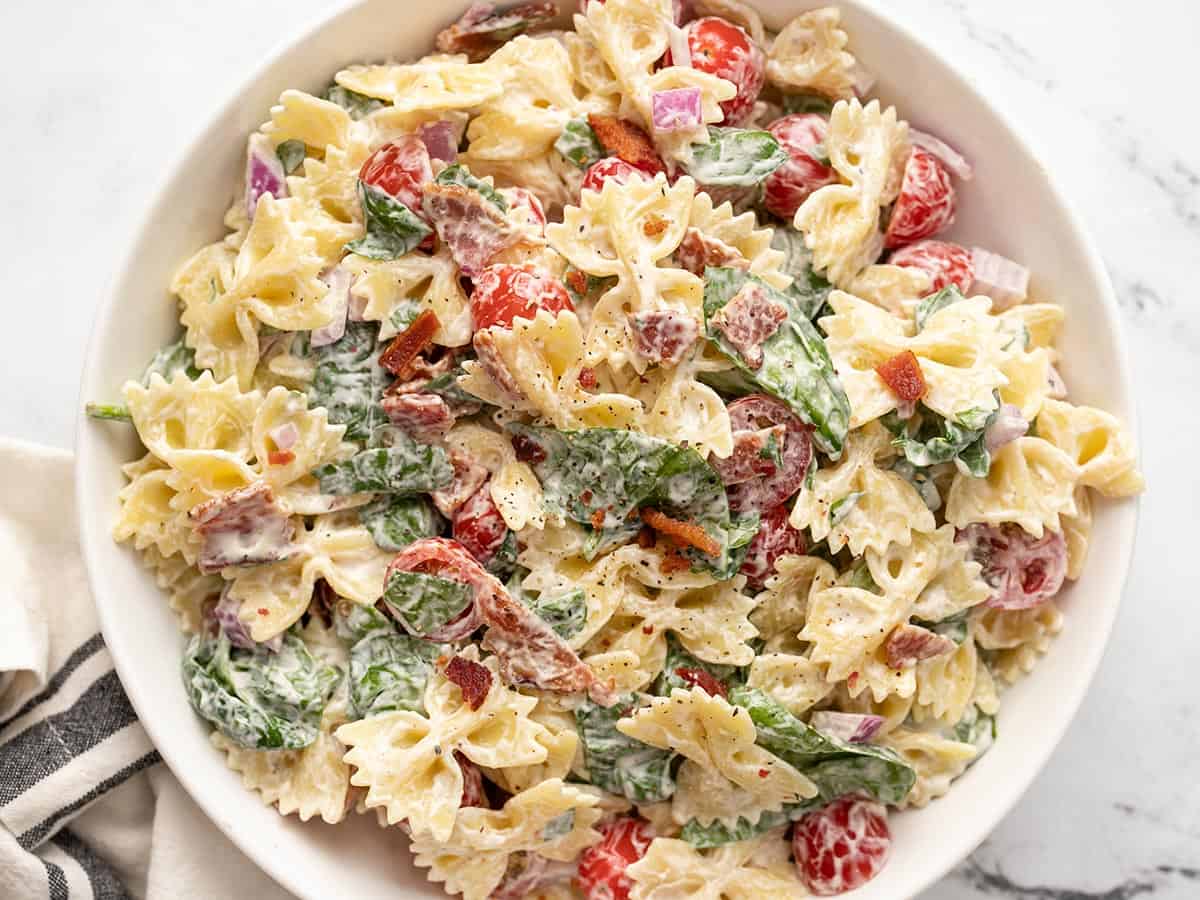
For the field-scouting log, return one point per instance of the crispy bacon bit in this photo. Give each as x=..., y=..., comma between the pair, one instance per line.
x=627, y=141
x=482, y=30
x=598, y=519
x=421, y=415
x=747, y=320
x=908, y=644
x=645, y=538
x=409, y=344
x=263, y=611
x=577, y=281
x=242, y=528
x=471, y=225
x=776, y=537
x=697, y=251
x=673, y=562
x=706, y=681
x=473, y=679
x=654, y=225
x=902, y=374
x=280, y=457
x=493, y=364
x=763, y=773
x=647, y=629
x=527, y=449
x=663, y=336
x=587, y=378
x=684, y=532
x=468, y=478
x=755, y=455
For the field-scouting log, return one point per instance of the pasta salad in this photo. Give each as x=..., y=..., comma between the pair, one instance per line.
x=585, y=453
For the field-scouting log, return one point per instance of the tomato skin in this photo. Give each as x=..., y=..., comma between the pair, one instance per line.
x=754, y=411
x=610, y=168
x=503, y=292
x=841, y=846
x=775, y=538
x=926, y=203
x=791, y=184
x=525, y=210
x=602, y=866
x=478, y=525
x=1023, y=571
x=400, y=169
x=945, y=263
x=721, y=48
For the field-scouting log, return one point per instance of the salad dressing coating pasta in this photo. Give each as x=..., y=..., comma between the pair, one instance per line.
x=584, y=449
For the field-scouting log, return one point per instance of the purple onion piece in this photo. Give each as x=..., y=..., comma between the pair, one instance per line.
x=854, y=728
x=441, y=140
x=226, y=615
x=864, y=79
x=676, y=110
x=998, y=277
x=1006, y=427
x=954, y=161
x=338, y=280
x=285, y=435
x=264, y=172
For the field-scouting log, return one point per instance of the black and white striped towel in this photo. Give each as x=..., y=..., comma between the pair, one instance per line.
x=87, y=810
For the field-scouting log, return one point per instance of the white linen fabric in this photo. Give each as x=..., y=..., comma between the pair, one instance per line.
x=88, y=809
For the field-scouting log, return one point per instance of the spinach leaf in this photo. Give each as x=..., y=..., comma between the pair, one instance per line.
x=348, y=380
x=559, y=826
x=291, y=154
x=978, y=728
x=843, y=506
x=935, y=303
x=796, y=366
x=678, y=658
x=446, y=386
x=716, y=834
x=618, y=763
x=807, y=103
x=835, y=766
x=425, y=603
x=406, y=467
x=566, y=613
x=176, y=357
x=114, y=412
x=861, y=578
x=461, y=175
x=601, y=477
x=736, y=157
x=392, y=228
x=937, y=440
x=358, y=105
x=395, y=521
x=953, y=627
x=257, y=698
x=352, y=621
x=809, y=289
x=578, y=144
x=922, y=481
x=388, y=671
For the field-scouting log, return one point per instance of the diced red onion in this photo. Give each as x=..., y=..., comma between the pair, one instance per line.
x=338, y=280
x=1008, y=425
x=441, y=140
x=855, y=728
x=226, y=615
x=676, y=110
x=284, y=436
x=1058, y=387
x=998, y=277
x=864, y=79
x=264, y=172
x=954, y=161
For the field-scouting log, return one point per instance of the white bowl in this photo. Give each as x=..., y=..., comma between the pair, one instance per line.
x=1012, y=207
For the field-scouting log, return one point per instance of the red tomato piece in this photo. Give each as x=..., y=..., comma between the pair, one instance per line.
x=723, y=49
x=753, y=413
x=504, y=292
x=706, y=681
x=400, y=169
x=1022, y=570
x=775, y=538
x=478, y=525
x=788, y=186
x=903, y=376
x=947, y=264
x=609, y=168
x=842, y=846
x=602, y=866
x=926, y=202
x=450, y=560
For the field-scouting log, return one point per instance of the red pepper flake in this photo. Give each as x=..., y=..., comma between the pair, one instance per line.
x=902, y=374
x=686, y=532
x=853, y=679
x=598, y=519
x=280, y=457
x=763, y=773
x=645, y=538
x=409, y=344
x=654, y=225
x=577, y=281
x=706, y=681
x=627, y=141
x=262, y=611
x=473, y=679
x=587, y=378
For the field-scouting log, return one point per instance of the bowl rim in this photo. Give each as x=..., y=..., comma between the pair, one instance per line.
x=1069, y=700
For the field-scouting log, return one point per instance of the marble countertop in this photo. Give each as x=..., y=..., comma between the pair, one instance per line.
x=103, y=96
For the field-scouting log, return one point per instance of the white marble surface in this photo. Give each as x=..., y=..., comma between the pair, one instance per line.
x=98, y=98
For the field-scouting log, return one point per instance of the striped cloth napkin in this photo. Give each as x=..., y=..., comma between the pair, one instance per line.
x=87, y=808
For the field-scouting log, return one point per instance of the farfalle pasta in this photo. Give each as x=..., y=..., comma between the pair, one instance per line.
x=580, y=455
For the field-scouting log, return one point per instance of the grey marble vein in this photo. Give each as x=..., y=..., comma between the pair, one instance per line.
x=1015, y=56
x=995, y=883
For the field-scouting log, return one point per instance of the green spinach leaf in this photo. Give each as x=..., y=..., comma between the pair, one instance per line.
x=678, y=658
x=348, y=380
x=291, y=154
x=736, y=157
x=809, y=289
x=406, y=467
x=578, y=144
x=935, y=303
x=618, y=763
x=396, y=520
x=461, y=175
x=392, y=228
x=358, y=105
x=425, y=603
x=389, y=671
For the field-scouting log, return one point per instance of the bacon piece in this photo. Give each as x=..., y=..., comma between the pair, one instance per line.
x=473, y=679
x=645, y=537
x=493, y=364
x=473, y=791
x=752, y=413
x=482, y=29
x=902, y=374
x=478, y=525
x=626, y=141
x=697, y=251
x=244, y=527
x=908, y=644
x=752, y=456
x=654, y=225
x=409, y=344
x=471, y=225
x=421, y=415
x=468, y=478
x=280, y=457
x=687, y=533
x=747, y=320
x=663, y=336
x=775, y=538
x=706, y=681
x=674, y=561
x=527, y=449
